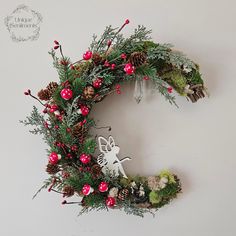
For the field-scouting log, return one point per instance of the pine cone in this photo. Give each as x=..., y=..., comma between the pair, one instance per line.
x=80, y=132
x=52, y=169
x=137, y=58
x=198, y=92
x=123, y=194
x=68, y=191
x=44, y=95
x=97, y=59
x=88, y=92
x=52, y=86
x=96, y=170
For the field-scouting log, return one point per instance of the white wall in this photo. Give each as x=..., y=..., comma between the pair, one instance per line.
x=197, y=141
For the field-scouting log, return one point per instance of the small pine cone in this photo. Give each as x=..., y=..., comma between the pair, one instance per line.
x=97, y=59
x=52, y=86
x=44, y=95
x=80, y=132
x=52, y=169
x=123, y=194
x=96, y=171
x=68, y=191
x=137, y=58
x=88, y=92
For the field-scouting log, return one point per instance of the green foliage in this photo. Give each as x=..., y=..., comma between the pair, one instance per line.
x=89, y=146
x=94, y=200
x=65, y=136
x=194, y=77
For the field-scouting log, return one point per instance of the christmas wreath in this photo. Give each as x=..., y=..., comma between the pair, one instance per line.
x=86, y=166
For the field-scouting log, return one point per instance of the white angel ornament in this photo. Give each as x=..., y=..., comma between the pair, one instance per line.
x=108, y=159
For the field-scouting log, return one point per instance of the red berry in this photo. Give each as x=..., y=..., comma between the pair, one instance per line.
x=106, y=63
x=84, y=110
x=113, y=66
x=87, y=189
x=74, y=148
x=56, y=127
x=84, y=158
x=129, y=69
x=69, y=156
x=123, y=56
x=118, y=91
x=170, y=89
x=109, y=43
x=87, y=55
x=60, y=118
x=127, y=21
x=97, y=83
x=54, y=158
x=64, y=202
x=145, y=78
x=66, y=93
x=110, y=201
x=83, y=122
x=56, y=42
x=28, y=92
x=103, y=187
x=56, y=47
x=53, y=108
x=117, y=87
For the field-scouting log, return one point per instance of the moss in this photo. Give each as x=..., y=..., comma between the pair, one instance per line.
x=168, y=175
x=177, y=80
x=154, y=197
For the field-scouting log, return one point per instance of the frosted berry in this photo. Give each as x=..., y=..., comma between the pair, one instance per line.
x=103, y=187
x=84, y=158
x=66, y=93
x=110, y=201
x=54, y=158
x=87, y=189
x=84, y=110
x=87, y=55
x=129, y=69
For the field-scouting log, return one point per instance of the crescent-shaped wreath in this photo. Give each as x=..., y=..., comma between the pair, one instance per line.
x=75, y=168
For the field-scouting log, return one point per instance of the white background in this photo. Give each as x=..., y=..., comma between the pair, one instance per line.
x=196, y=141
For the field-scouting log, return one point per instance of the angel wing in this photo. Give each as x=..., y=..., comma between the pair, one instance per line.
x=101, y=160
x=111, y=141
x=103, y=144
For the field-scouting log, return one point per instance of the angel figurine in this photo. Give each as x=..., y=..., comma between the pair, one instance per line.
x=108, y=159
